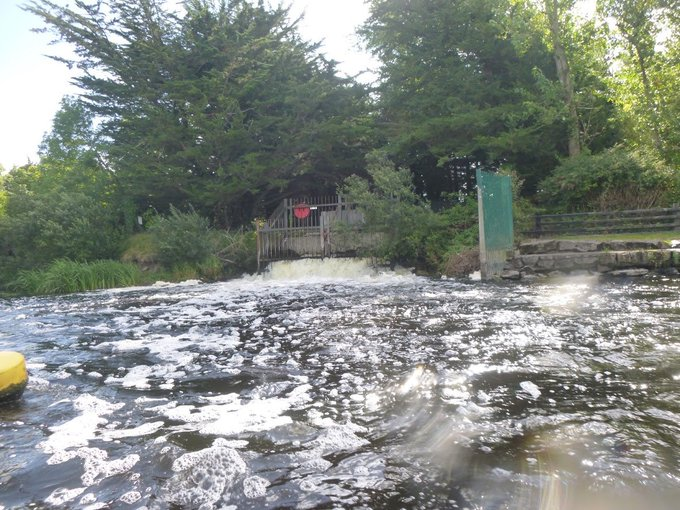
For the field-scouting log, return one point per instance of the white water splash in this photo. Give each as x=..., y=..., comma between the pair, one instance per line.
x=315, y=269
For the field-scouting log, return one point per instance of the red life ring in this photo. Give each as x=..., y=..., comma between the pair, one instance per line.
x=301, y=211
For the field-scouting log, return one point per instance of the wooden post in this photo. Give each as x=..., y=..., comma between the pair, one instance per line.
x=258, y=242
x=321, y=231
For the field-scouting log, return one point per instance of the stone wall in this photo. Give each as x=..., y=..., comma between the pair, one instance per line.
x=632, y=258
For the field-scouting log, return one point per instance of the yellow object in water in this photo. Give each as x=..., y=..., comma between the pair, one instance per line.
x=13, y=375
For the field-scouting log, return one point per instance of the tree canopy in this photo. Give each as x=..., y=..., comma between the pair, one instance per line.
x=222, y=106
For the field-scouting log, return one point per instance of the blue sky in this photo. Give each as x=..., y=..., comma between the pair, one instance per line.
x=32, y=85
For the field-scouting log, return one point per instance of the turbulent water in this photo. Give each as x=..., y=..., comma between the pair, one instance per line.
x=370, y=391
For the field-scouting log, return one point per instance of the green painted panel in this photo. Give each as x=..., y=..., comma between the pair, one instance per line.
x=495, y=227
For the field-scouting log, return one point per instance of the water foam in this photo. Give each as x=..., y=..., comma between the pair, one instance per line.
x=202, y=478
x=330, y=268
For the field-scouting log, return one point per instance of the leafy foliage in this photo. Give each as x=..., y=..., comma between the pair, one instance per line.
x=456, y=84
x=181, y=237
x=65, y=206
x=614, y=179
x=42, y=226
x=645, y=88
x=237, y=251
x=392, y=210
x=223, y=106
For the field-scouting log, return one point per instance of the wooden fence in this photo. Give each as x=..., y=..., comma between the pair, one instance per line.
x=609, y=222
x=308, y=227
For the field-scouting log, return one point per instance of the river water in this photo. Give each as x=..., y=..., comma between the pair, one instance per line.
x=355, y=391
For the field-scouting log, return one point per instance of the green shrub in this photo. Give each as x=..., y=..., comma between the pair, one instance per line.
x=392, y=210
x=140, y=249
x=65, y=276
x=61, y=225
x=615, y=179
x=181, y=238
x=211, y=269
x=457, y=230
x=237, y=251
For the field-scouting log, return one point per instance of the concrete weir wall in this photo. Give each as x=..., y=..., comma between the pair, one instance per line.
x=618, y=258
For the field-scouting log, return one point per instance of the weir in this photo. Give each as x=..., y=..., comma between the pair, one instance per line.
x=316, y=227
x=306, y=269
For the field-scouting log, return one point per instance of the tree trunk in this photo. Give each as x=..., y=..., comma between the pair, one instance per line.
x=649, y=96
x=564, y=75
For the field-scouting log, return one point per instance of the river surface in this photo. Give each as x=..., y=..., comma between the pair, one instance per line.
x=364, y=391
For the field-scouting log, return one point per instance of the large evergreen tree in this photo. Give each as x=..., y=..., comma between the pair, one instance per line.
x=220, y=105
x=457, y=89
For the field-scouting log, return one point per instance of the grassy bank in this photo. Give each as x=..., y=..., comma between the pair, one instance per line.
x=66, y=276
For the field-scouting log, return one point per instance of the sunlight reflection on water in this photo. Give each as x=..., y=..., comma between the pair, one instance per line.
x=380, y=391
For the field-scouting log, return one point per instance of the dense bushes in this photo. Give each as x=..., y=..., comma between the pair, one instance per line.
x=62, y=225
x=182, y=245
x=410, y=233
x=62, y=253
x=615, y=179
x=181, y=238
x=392, y=210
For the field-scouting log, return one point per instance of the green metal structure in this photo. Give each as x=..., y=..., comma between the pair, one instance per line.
x=496, y=237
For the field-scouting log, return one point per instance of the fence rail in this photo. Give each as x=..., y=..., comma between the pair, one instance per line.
x=608, y=222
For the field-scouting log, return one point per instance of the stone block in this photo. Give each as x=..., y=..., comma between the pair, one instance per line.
x=626, y=259
x=511, y=274
x=578, y=246
x=536, y=247
x=638, y=271
x=544, y=262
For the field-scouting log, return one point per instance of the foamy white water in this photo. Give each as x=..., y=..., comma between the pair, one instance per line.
x=346, y=388
x=330, y=268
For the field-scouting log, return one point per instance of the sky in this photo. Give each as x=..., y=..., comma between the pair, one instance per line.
x=32, y=85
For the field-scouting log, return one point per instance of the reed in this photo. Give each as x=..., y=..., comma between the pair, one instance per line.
x=66, y=276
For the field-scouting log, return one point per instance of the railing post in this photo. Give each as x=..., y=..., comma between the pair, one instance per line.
x=258, y=242
x=537, y=226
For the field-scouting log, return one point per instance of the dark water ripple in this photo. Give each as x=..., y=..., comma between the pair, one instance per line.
x=372, y=392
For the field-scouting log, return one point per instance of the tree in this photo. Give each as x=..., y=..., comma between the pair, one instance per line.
x=646, y=83
x=457, y=89
x=223, y=107
x=63, y=207
x=399, y=219
x=556, y=11
x=579, y=49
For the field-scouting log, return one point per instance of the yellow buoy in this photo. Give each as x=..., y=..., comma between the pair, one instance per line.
x=13, y=375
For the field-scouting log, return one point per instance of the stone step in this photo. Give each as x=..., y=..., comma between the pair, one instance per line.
x=600, y=261
x=573, y=246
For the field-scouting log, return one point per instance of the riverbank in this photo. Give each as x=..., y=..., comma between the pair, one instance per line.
x=631, y=257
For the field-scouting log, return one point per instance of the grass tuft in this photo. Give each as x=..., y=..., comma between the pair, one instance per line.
x=66, y=276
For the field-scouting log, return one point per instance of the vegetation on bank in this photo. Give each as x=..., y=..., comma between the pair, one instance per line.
x=208, y=117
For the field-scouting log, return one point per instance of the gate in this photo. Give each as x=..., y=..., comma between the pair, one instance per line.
x=496, y=236
x=308, y=227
